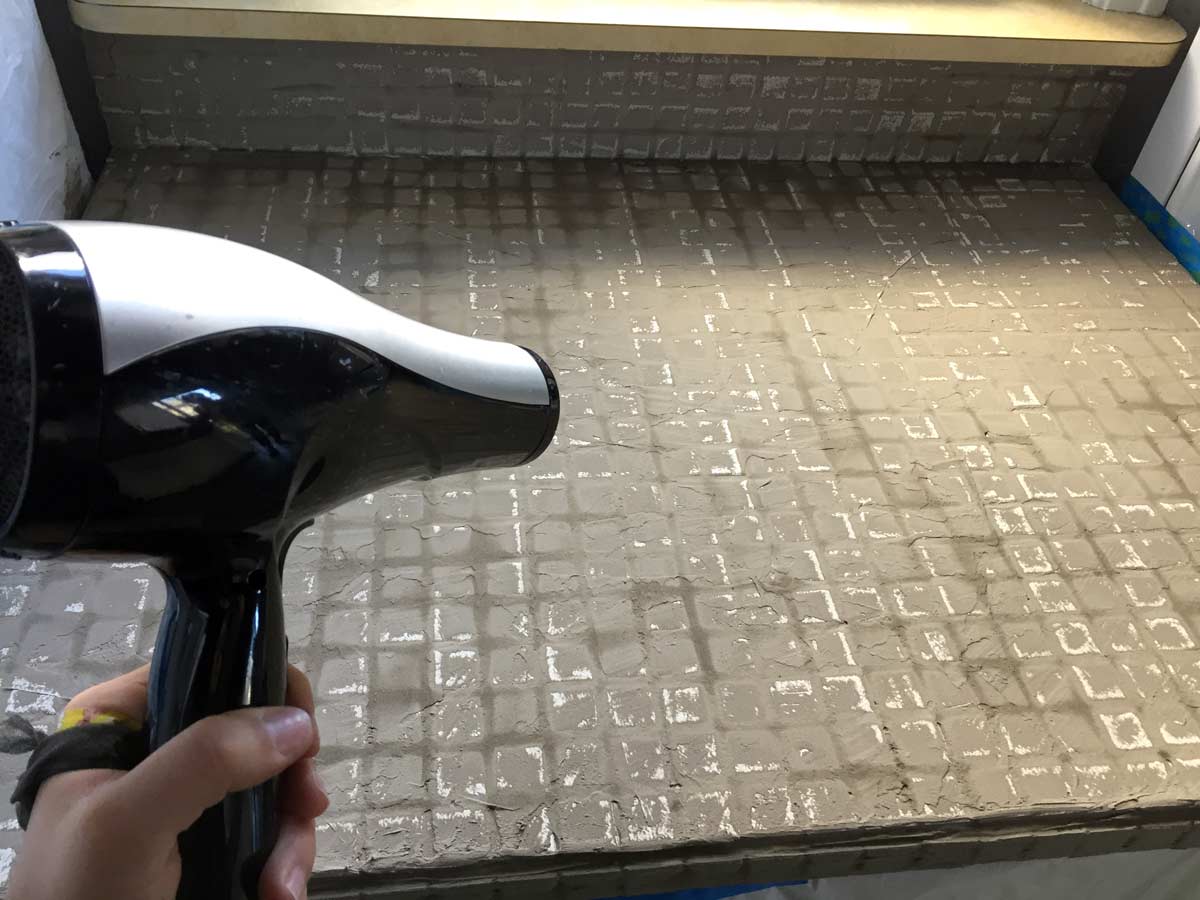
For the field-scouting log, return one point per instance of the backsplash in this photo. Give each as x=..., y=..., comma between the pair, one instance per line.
x=366, y=99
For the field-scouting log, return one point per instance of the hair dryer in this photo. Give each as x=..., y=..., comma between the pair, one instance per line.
x=195, y=402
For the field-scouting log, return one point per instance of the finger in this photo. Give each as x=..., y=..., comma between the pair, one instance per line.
x=60, y=793
x=125, y=694
x=285, y=876
x=299, y=694
x=171, y=787
x=301, y=793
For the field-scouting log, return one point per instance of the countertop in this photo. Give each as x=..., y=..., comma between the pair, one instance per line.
x=869, y=538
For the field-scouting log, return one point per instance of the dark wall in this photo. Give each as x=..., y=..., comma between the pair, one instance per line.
x=1135, y=116
x=66, y=49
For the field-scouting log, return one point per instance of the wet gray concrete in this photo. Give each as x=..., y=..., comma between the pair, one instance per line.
x=395, y=100
x=869, y=537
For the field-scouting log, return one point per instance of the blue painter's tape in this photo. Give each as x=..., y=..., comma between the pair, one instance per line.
x=1174, y=236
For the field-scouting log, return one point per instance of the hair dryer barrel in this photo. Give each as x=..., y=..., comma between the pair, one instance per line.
x=166, y=388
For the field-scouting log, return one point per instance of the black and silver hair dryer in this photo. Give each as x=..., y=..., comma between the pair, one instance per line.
x=194, y=402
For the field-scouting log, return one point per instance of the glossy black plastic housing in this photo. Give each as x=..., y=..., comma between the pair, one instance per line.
x=208, y=457
x=247, y=434
x=212, y=455
x=221, y=646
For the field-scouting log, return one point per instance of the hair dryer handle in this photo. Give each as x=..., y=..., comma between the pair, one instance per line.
x=221, y=646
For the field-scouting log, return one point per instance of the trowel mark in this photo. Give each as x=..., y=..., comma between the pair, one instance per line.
x=43, y=701
x=656, y=815
x=15, y=595
x=1125, y=731
x=855, y=682
x=546, y=835
x=580, y=673
x=725, y=823
x=7, y=855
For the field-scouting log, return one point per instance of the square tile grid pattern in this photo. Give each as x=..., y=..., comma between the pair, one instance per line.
x=872, y=513
x=383, y=100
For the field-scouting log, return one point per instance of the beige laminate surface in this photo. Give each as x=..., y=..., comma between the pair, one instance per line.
x=1029, y=31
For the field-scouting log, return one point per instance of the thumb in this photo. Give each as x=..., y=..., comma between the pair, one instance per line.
x=170, y=788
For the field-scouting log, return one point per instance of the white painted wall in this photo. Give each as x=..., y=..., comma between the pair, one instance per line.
x=42, y=172
x=1176, y=131
x=1184, y=204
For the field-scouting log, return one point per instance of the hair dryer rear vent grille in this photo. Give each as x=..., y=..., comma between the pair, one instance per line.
x=16, y=387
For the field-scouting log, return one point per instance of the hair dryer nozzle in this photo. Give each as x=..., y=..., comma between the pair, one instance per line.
x=552, y=408
x=50, y=396
x=16, y=389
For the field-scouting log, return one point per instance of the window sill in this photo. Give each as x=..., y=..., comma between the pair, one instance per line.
x=1023, y=31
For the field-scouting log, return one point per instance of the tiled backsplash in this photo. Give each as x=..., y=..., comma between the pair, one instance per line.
x=366, y=99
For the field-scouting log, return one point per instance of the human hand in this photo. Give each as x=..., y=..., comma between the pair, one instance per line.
x=104, y=833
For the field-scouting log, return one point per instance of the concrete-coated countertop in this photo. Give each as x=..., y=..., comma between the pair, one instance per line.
x=869, y=539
